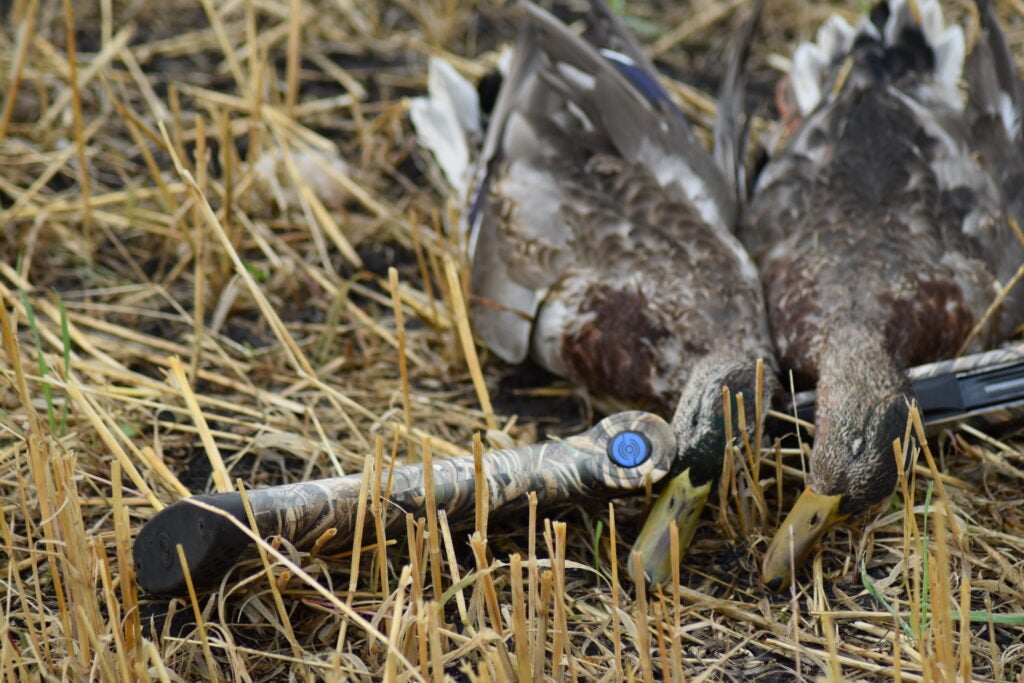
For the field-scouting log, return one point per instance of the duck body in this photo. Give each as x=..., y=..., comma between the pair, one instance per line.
x=883, y=240
x=599, y=235
x=880, y=216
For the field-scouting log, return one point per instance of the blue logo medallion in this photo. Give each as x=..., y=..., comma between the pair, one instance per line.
x=629, y=449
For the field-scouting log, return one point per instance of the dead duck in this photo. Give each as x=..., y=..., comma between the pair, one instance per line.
x=599, y=232
x=883, y=239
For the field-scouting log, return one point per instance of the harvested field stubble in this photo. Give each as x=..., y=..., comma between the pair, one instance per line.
x=222, y=260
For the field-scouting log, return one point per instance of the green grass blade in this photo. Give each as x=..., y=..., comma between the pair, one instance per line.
x=37, y=342
x=926, y=595
x=65, y=339
x=983, y=617
x=598, y=531
x=869, y=584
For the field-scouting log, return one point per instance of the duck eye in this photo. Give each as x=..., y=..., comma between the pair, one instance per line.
x=629, y=449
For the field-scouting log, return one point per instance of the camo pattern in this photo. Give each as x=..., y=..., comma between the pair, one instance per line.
x=1013, y=353
x=559, y=472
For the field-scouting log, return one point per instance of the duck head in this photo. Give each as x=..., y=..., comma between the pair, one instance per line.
x=701, y=437
x=862, y=408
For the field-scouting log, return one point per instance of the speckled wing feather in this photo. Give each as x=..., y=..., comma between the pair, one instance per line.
x=582, y=467
x=731, y=128
x=503, y=306
x=562, y=102
x=996, y=106
x=600, y=211
x=627, y=104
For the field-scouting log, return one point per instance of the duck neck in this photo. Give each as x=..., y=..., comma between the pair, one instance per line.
x=855, y=365
x=862, y=408
x=700, y=416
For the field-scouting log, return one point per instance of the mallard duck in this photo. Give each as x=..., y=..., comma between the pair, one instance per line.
x=599, y=232
x=883, y=240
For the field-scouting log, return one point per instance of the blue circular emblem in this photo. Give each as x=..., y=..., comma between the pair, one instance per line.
x=629, y=449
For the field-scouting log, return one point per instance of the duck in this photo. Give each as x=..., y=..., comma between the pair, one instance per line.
x=599, y=233
x=883, y=239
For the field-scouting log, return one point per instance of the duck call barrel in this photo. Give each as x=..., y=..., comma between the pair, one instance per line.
x=614, y=458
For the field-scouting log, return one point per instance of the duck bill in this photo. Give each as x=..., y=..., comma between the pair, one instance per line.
x=811, y=516
x=679, y=501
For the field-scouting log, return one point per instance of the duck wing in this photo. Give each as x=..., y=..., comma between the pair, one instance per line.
x=996, y=106
x=564, y=102
x=731, y=130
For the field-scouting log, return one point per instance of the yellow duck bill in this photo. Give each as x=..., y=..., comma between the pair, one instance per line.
x=812, y=516
x=679, y=501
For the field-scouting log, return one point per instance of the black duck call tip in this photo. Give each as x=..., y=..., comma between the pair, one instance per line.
x=211, y=541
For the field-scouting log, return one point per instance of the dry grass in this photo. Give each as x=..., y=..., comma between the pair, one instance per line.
x=200, y=207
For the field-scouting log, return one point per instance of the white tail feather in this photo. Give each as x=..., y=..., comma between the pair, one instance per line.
x=447, y=121
x=813, y=62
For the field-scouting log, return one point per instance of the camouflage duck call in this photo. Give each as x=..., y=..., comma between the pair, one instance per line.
x=613, y=458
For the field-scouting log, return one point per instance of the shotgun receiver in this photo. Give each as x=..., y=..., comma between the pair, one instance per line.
x=984, y=389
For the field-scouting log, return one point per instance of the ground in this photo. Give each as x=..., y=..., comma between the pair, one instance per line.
x=201, y=204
